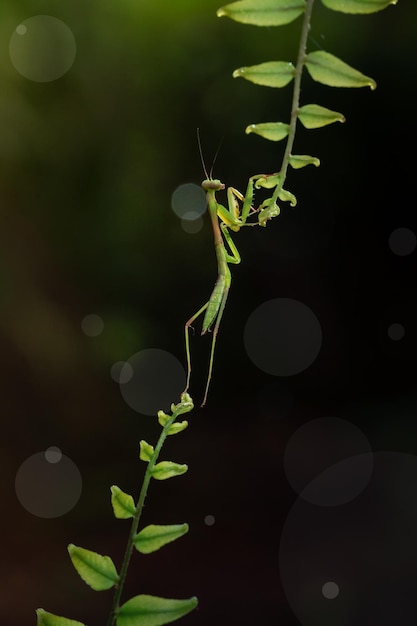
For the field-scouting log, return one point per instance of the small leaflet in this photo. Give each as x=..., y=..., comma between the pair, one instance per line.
x=274, y=131
x=327, y=69
x=122, y=503
x=96, y=570
x=268, y=210
x=177, y=427
x=297, y=161
x=287, y=196
x=144, y=610
x=168, y=469
x=163, y=418
x=263, y=12
x=49, y=619
x=358, y=6
x=146, y=451
x=316, y=116
x=153, y=537
x=267, y=181
x=270, y=74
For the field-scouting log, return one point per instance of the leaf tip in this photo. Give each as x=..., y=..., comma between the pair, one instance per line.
x=221, y=12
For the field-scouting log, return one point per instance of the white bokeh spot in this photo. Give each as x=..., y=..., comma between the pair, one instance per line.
x=154, y=380
x=188, y=199
x=283, y=337
x=396, y=332
x=53, y=454
x=355, y=563
x=92, y=325
x=328, y=461
x=402, y=241
x=121, y=372
x=42, y=48
x=192, y=223
x=48, y=484
x=330, y=590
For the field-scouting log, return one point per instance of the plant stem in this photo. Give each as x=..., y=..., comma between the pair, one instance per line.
x=295, y=97
x=135, y=522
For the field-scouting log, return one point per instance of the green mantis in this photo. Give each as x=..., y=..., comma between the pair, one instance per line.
x=234, y=219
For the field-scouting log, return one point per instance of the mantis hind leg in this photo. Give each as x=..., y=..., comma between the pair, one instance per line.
x=213, y=342
x=187, y=341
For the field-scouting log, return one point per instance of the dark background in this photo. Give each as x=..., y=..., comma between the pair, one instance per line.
x=88, y=165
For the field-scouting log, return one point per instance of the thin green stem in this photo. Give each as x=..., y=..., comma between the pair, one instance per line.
x=136, y=519
x=295, y=97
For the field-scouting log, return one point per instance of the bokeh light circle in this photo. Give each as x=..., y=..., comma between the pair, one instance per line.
x=188, y=200
x=330, y=590
x=396, y=331
x=192, y=226
x=328, y=461
x=53, y=454
x=92, y=325
x=121, y=372
x=48, y=484
x=367, y=548
x=282, y=337
x=209, y=520
x=402, y=241
x=157, y=380
x=42, y=48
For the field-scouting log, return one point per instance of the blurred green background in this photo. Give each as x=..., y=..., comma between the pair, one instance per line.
x=88, y=166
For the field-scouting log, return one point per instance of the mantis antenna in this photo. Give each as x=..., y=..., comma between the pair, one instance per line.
x=201, y=153
x=202, y=158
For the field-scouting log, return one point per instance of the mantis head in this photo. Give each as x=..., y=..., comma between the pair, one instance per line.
x=211, y=184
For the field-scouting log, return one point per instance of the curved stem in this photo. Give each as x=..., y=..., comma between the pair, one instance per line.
x=136, y=519
x=295, y=97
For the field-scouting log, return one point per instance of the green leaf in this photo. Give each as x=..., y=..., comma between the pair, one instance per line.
x=96, y=570
x=301, y=160
x=167, y=469
x=287, y=196
x=274, y=131
x=163, y=418
x=269, y=181
x=268, y=210
x=185, y=406
x=146, y=451
x=153, y=537
x=316, y=116
x=270, y=74
x=122, y=503
x=263, y=12
x=266, y=181
x=177, y=427
x=49, y=619
x=146, y=610
x=329, y=70
x=358, y=6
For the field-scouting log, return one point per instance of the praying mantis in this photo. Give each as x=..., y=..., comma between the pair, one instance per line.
x=232, y=218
